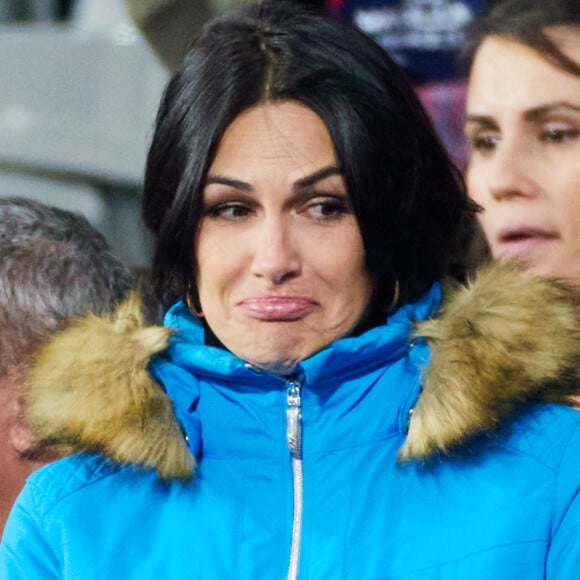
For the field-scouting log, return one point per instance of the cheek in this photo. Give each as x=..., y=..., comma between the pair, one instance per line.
x=477, y=192
x=572, y=214
x=349, y=272
x=211, y=272
x=215, y=275
x=216, y=260
x=486, y=223
x=475, y=183
x=574, y=191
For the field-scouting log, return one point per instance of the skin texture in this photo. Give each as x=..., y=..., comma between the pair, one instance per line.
x=523, y=123
x=15, y=439
x=280, y=257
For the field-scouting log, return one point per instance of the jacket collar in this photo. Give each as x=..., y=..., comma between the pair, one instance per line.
x=497, y=343
x=343, y=358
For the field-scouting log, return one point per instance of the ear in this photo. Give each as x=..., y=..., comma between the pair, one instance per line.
x=19, y=434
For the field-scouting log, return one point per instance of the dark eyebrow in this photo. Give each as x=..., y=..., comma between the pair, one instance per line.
x=222, y=180
x=310, y=180
x=531, y=115
x=482, y=120
x=303, y=183
x=546, y=110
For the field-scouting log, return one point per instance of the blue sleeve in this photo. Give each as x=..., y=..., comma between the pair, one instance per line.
x=25, y=551
x=563, y=561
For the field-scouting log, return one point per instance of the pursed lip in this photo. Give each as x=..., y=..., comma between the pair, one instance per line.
x=277, y=308
x=518, y=241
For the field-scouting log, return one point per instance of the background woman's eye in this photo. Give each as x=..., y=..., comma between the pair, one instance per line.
x=485, y=141
x=559, y=134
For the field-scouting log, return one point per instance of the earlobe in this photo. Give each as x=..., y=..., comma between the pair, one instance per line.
x=19, y=436
x=192, y=301
x=19, y=433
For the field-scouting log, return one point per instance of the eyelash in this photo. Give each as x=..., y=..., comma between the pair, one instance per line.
x=559, y=135
x=338, y=206
x=219, y=210
x=484, y=143
x=320, y=208
x=488, y=142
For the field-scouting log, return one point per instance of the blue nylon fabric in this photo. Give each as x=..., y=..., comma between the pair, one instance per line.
x=505, y=507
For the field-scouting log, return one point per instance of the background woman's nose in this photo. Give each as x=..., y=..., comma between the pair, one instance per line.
x=510, y=173
x=276, y=257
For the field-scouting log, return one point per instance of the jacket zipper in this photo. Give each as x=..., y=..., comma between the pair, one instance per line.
x=294, y=438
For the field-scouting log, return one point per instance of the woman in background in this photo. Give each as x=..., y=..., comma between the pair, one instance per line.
x=523, y=123
x=343, y=422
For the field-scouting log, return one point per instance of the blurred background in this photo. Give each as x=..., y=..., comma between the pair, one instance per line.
x=80, y=81
x=79, y=88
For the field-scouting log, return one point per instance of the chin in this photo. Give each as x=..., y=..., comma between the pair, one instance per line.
x=263, y=354
x=277, y=367
x=277, y=359
x=279, y=350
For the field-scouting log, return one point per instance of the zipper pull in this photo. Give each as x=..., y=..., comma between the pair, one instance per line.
x=294, y=419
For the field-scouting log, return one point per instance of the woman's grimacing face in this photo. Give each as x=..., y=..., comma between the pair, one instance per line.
x=523, y=123
x=280, y=257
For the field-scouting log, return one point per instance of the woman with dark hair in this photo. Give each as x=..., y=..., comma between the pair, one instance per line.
x=343, y=422
x=523, y=122
x=363, y=113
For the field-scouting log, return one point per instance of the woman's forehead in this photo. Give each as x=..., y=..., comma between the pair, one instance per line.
x=509, y=75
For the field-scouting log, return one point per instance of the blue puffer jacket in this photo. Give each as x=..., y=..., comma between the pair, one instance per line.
x=503, y=505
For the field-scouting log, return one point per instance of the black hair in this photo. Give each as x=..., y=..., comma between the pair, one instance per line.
x=408, y=196
x=526, y=22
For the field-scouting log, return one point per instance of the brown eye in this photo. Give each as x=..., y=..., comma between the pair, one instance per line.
x=559, y=135
x=229, y=211
x=485, y=142
x=324, y=209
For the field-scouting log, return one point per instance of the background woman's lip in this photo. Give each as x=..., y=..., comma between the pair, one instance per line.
x=520, y=246
x=521, y=233
x=277, y=307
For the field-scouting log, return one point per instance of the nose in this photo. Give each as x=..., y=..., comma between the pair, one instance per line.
x=276, y=256
x=510, y=172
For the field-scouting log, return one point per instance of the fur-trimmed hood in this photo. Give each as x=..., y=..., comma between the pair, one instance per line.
x=497, y=343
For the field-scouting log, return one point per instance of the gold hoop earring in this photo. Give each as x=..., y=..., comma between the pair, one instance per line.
x=395, y=300
x=191, y=304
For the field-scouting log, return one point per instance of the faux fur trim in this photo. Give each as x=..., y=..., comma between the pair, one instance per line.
x=90, y=391
x=499, y=342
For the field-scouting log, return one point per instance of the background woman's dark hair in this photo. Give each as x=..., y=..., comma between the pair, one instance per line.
x=525, y=21
x=408, y=197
